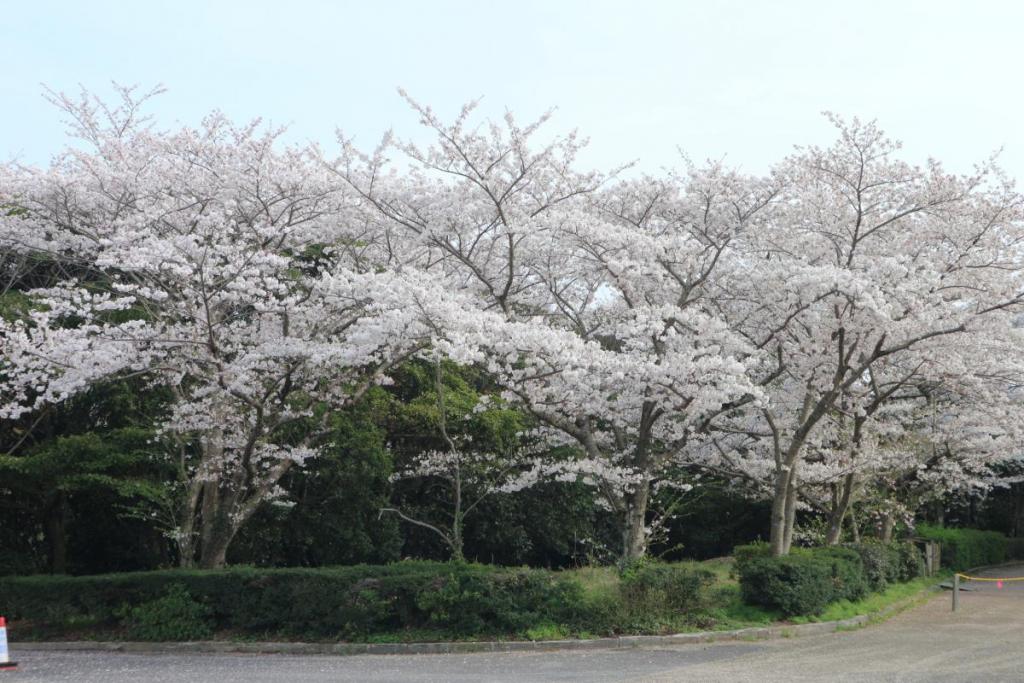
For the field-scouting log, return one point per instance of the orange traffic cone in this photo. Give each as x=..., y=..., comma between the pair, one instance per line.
x=5, y=660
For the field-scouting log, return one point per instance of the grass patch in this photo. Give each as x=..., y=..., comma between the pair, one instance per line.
x=730, y=612
x=894, y=594
x=547, y=632
x=596, y=580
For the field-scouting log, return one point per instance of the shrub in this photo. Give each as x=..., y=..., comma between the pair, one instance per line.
x=503, y=602
x=804, y=582
x=881, y=563
x=745, y=553
x=796, y=584
x=358, y=603
x=911, y=561
x=175, y=616
x=966, y=548
x=456, y=600
x=654, y=587
x=848, y=577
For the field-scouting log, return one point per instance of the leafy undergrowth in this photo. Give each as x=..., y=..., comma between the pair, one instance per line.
x=875, y=602
x=726, y=611
x=647, y=599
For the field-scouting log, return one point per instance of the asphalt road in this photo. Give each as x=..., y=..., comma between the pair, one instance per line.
x=984, y=641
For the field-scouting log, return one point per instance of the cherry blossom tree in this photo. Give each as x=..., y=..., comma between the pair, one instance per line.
x=215, y=262
x=586, y=298
x=957, y=439
x=868, y=272
x=841, y=327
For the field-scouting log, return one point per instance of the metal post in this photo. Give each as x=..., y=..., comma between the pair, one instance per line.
x=956, y=591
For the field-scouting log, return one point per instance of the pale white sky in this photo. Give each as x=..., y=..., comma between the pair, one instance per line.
x=743, y=80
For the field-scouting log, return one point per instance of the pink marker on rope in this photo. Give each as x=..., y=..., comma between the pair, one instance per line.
x=999, y=584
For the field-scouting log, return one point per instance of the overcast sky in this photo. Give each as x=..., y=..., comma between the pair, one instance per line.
x=740, y=80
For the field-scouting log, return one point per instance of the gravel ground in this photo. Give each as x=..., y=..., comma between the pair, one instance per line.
x=602, y=666
x=981, y=642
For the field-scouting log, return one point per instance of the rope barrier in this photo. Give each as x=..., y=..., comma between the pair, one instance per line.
x=986, y=578
x=989, y=579
x=997, y=580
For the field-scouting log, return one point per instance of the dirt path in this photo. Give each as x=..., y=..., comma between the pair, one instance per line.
x=983, y=641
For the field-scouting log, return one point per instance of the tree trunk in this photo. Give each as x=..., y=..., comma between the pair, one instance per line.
x=634, y=532
x=783, y=509
x=217, y=530
x=186, y=532
x=791, y=499
x=456, y=538
x=219, y=523
x=888, y=524
x=214, y=549
x=777, y=533
x=940, y=513
x=854, y=528
x=219, y=505
x=840, y=504
x=56, y=534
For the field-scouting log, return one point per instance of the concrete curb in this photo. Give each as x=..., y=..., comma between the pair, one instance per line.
x=621, y=642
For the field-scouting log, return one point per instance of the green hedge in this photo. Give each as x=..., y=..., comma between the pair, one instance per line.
x=963, y=549
x=406, y=600
x=849, y=579
x=794, y=584
x=326, y=603
x=804, y=582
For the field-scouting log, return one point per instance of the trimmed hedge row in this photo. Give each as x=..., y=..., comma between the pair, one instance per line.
x=804, y=582
x=966, y=548
x=341, y=603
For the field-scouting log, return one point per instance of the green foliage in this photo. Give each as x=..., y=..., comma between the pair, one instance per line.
x=551, y=524
x=415, y=600
x=15, y=305
x=911, y=561
x=894, y=595
x=175, y=616
x=459, y=600
x=337, y=498
x=881, y=561
x=650, y=587
x=964, y=549
x=806, y=581
x=848, y=576
x=796, y=584
x=711, y=520
x=745, y=553
x=395, y=602
x=92, y=463
x=498, y=601
x=546, y=632
x=82, y=460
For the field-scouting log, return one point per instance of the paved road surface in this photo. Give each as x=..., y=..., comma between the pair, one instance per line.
x=984, y=641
